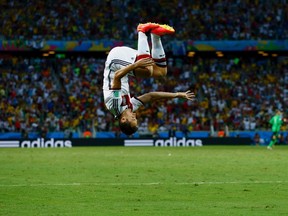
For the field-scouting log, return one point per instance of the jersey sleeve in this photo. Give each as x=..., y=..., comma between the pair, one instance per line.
x=136, y=103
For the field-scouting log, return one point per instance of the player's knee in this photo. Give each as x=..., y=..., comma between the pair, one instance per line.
x=159, y=72
x=150, y=71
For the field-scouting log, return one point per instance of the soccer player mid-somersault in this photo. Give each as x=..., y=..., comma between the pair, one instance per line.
x=123, y=62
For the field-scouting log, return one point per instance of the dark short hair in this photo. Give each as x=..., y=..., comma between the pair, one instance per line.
x=126, y=127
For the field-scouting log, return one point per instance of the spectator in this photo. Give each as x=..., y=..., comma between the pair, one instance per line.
x=256, y=139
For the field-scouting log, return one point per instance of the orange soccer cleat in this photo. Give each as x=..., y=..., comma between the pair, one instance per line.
x=147, y=27
x=163, y=30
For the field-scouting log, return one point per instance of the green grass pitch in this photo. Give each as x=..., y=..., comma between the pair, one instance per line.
x=209, y=180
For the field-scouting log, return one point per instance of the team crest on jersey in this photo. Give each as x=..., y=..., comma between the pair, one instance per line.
x=116, y=93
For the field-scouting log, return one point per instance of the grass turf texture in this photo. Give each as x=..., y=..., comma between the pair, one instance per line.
x=221, y=180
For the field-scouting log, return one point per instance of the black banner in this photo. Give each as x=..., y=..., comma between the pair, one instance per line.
x=157, y=142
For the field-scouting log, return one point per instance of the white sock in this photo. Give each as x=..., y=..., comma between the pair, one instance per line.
x=158, y=53
x=143, y=46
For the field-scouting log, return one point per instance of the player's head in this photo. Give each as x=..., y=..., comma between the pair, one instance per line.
x=128, y=122
x=278, y=112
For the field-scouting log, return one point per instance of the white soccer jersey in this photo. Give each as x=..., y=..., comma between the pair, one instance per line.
x=117, y=100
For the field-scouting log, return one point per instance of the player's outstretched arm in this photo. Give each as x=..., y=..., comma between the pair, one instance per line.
x=142, y=63
x=153, y=96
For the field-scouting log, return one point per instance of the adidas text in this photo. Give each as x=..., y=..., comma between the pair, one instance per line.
x=180, y=142
x=42, y=143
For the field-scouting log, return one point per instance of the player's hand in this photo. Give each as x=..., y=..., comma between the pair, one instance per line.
x=144, y=62
x=187, y=95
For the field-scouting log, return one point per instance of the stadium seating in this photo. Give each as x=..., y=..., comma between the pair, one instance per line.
x=198, y=21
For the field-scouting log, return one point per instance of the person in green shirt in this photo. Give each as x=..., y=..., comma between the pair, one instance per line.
x=276, y=122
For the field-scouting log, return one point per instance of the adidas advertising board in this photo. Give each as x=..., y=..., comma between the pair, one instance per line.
x=171, y=142
x=152, y=142
x=38, y=143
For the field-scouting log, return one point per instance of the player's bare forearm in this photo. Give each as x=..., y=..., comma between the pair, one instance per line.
x=153, y=96
x=142, y=63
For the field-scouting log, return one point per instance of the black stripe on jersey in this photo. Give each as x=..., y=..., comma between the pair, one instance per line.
x=109, y=79
x=121, y=62
x=115, y=108
x=109, y=75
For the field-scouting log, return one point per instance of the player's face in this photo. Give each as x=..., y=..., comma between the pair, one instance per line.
x=131, y=117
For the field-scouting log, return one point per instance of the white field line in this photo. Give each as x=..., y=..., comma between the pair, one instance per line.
x=140, y=184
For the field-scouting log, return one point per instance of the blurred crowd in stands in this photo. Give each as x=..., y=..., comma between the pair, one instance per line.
x=113, y=19
x=66, y=95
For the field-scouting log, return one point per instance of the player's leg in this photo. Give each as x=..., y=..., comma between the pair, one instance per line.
x=144, y=48
x=157, y=51
x=273, y=140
